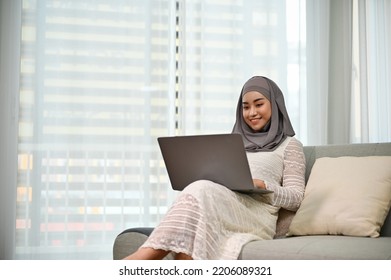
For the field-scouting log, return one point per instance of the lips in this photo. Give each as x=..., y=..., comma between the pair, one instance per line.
x=255, y=120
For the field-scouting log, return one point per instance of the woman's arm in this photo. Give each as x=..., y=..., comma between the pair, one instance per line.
x=291, y=193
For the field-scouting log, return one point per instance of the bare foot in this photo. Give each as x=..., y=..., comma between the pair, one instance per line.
x=147, y=254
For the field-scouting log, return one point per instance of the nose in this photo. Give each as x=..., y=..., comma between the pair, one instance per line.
x=253, y=112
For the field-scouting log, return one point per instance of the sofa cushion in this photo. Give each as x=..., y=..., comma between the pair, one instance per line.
x=345, y=196
x=319, y=247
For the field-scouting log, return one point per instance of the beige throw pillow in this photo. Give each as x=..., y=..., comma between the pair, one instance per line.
x=345, y=196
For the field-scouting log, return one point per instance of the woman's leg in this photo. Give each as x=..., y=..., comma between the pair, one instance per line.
x=147, y=254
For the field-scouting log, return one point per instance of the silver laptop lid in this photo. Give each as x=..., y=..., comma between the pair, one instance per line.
x=220, y=158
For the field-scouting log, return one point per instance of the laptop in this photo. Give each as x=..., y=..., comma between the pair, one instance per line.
x=220, y=158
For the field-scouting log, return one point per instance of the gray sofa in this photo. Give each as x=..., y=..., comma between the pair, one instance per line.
x=317, y=247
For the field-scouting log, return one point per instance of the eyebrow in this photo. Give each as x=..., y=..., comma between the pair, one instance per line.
x=258, y=99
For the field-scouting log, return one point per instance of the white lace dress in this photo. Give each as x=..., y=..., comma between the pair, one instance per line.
x=209, y=221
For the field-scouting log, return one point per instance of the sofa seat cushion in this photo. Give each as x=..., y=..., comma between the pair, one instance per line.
x=318, y=247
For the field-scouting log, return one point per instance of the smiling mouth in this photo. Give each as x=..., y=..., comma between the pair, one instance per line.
x=255, y=120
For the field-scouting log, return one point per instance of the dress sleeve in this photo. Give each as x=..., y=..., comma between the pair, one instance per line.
x=291, y=193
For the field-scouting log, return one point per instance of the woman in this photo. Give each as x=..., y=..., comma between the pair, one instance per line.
x=209, y=221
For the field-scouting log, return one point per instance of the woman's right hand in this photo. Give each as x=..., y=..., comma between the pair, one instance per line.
x=260, y=184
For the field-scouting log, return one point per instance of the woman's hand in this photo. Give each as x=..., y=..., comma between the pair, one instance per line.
x=259, y=184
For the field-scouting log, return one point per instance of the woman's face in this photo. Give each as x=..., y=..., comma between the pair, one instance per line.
x=257, y=110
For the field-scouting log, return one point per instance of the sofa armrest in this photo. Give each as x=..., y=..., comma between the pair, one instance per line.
x=128, y=241
x=142, y=230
